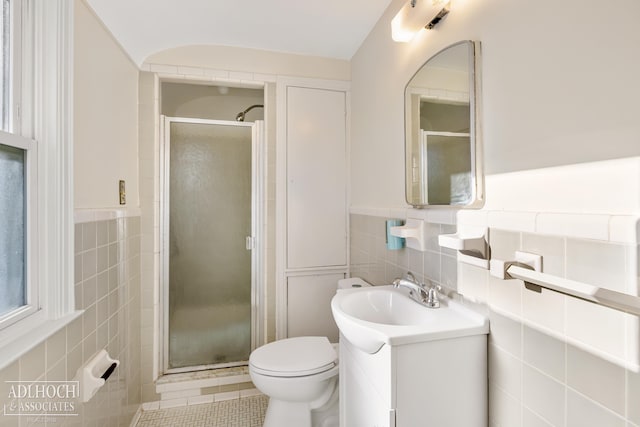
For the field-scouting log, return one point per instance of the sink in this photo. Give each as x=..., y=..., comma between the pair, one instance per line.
x=371, y=317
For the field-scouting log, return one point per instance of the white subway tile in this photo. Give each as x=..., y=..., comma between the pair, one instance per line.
x=633, y=396
x=513, y=221
x=599, y=263
x=596, y=378
x=472, y=282
x=551, y=248
x=504, y=244
x=161, y=68
x=267, y=78
x=582, y=412
x=504, y=410
x=218, y=74
x=194, y=71
x=581, y=226
x=505, y=333
x=505, y=295
x=544, y=352
x=477, y=218
x=442, y=216
x=505, y=370
x=543, y=395
x=596, y=326
x=531, y=419
x=545, y=309
x=624, y=229
x=239, y=75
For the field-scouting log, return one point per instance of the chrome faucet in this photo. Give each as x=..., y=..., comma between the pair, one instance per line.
x=418, y=292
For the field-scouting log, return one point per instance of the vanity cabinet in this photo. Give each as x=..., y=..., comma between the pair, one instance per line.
x=435, y=383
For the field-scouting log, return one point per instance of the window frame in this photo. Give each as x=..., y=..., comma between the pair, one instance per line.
x=15, y=70
x=31, y=285
x=45, y=113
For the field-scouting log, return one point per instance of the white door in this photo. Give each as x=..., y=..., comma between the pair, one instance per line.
x=316, y=178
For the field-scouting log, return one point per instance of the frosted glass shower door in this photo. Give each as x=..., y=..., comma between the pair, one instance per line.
x=209, y=263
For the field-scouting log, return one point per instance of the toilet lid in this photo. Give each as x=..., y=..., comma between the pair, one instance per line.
x=294, y=357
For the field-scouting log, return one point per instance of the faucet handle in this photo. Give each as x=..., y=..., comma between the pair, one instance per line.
x=432, y=296
x=410, y=276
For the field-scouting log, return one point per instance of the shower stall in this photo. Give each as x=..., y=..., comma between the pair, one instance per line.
x=210, y=263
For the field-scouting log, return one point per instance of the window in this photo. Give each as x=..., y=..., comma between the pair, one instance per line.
x=10, y=32
x=18, y=288
x=36, y=159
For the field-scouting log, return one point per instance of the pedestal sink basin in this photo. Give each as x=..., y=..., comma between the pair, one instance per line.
x=371, y=317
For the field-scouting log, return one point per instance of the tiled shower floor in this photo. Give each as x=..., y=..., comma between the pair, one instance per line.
x=243, y=412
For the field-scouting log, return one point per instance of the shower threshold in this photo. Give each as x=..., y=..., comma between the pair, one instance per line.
x=205, y=381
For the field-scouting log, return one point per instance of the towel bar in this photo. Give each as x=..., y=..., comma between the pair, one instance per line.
x=606, y=297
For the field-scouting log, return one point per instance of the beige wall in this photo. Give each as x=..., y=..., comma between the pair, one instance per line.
x=560, y=88
x=562, y=156
x=105, y=119
x=251, y=61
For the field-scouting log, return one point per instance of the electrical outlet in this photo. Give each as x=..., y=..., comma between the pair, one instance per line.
x=123, y=193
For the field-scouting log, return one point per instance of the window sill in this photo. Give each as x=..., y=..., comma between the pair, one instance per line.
x=14, y=346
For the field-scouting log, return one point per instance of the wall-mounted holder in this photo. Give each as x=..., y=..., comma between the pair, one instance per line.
x=413, y=232
x=394, y=242
x=471, y=244
x=500, y=269
x=93, y=374
x=527, y=267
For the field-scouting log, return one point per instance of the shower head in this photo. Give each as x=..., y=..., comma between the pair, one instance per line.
x=240, y=115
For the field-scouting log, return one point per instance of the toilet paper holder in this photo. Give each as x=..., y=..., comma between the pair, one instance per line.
x=94, y=374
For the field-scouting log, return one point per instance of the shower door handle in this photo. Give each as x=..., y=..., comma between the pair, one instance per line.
x=250, y=243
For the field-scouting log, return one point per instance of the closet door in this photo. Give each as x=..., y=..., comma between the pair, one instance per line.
x=316, y=178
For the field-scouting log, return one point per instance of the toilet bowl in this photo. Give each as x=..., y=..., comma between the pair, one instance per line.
x=300, y=376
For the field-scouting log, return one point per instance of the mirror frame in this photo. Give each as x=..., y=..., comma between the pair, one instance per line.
x=477, y=164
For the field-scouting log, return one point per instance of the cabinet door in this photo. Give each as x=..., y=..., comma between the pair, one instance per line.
x=362, y=404
x=309, y=305
x=316, y=178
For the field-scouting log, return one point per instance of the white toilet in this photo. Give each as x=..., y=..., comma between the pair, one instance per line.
x=300, y=376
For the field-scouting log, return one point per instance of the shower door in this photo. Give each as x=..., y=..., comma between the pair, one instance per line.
x=208, y=213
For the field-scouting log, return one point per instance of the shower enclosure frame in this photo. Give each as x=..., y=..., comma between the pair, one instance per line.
x=256, y=241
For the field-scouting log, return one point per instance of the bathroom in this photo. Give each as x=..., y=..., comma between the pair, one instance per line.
x=561, y=151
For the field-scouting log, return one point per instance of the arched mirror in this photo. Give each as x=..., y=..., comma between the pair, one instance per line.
x=442, y=138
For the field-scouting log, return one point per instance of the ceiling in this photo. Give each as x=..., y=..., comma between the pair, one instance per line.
x=327, y=28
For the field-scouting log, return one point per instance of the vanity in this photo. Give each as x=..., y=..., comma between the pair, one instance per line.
x=405, y=365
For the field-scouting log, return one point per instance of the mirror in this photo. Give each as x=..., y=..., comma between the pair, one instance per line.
x=442, y=141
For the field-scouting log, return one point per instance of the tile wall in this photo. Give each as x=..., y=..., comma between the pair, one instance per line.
x=553, y=360
x=107, y=288
x=149, y=161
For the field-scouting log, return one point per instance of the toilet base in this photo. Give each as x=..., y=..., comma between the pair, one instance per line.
x=280, y=413
x=298, y=414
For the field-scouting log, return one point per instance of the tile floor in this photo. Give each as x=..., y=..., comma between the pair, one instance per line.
x=243, y=412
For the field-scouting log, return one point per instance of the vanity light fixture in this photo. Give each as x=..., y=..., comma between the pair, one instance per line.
x=416, y=15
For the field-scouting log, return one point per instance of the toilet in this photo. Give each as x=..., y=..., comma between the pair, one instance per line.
x=300, y=376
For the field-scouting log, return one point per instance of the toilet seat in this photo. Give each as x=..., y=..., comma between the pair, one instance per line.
x=294, y=357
